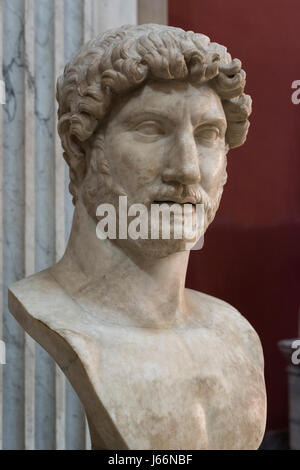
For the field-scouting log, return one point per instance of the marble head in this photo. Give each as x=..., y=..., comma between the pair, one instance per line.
x=150, y=112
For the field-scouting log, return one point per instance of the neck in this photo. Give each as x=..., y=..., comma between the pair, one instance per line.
x=133, y=289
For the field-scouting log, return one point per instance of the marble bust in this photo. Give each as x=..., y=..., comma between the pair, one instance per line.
x=148, y=112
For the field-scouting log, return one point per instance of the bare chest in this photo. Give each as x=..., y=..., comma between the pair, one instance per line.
x=178, y=389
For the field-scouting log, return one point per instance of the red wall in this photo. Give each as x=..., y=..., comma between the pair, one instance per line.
x=251, y=252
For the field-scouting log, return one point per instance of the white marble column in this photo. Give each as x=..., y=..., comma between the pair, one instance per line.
x=1, y=231
x=38, y=407
x=13, y=213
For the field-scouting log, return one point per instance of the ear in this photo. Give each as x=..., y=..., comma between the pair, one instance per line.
x=74, y=153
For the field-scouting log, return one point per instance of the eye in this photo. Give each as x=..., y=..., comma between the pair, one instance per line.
x=207, y=135
x=149, y=128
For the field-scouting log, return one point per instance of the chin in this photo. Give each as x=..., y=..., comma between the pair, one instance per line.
x=154, y=248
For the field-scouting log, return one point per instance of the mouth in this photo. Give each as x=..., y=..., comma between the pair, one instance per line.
x=175, y=201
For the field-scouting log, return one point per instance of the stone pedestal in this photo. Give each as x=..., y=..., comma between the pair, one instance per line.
x=293, y=372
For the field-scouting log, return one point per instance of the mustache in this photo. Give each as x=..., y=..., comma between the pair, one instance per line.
x=193, y=194
x=182, y=194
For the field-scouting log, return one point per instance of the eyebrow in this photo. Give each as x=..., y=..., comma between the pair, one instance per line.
x=158, y=114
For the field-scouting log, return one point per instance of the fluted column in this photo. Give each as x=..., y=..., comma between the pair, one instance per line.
x=13, y=218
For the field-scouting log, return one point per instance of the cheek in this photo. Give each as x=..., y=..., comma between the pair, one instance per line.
x=133, y=164
x=212, y=168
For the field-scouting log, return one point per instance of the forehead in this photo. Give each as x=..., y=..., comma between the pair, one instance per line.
x=171, y=98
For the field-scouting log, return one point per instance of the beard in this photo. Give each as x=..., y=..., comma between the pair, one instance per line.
x=99, y=187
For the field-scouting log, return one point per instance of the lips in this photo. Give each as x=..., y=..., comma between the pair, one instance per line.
x=175, y=201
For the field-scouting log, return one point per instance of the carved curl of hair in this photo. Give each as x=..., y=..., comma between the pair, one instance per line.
x=120, y=60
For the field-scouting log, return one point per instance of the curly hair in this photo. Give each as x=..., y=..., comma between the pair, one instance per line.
x=122, y=59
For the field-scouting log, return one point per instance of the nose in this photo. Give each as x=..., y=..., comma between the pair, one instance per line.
x=183, y=162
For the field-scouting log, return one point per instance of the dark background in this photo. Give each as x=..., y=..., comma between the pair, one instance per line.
x=251, y=252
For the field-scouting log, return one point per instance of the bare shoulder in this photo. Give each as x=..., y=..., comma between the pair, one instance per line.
x=39, y=297
x=38, y=288
x=227, y=321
